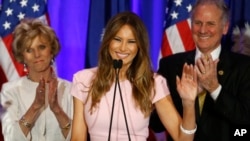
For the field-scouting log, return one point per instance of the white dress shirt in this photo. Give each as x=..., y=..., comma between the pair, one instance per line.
x=20, y=94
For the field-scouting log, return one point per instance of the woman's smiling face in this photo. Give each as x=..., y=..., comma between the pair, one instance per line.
x=124, y=46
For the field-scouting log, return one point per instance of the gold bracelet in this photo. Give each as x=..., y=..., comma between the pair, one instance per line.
x=25, y=123
x=67, y=126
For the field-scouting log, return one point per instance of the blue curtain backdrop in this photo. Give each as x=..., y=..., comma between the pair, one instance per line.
x=79, y=25
x=69, y=18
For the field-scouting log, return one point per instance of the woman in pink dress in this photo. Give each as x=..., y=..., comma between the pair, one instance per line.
x=107, y=111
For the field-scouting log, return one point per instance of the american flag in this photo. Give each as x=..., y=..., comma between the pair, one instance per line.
x=11, y=12
x=177, y=36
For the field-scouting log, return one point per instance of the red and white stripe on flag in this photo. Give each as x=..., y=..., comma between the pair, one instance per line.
x=177, y=38
x=11, y=68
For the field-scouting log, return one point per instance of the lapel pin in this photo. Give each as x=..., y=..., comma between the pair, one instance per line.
x=220, y=72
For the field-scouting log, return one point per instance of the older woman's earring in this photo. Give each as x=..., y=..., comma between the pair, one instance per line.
x=25, y=68
x=52, y=62
x=52, y=65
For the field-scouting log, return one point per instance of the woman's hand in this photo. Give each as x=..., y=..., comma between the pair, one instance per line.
x=187, y=86
x=52, y=94
x=39, y=101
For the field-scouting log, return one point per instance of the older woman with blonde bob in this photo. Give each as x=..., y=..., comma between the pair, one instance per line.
x=38, y=105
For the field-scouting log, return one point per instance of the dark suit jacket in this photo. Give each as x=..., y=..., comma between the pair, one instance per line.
x=230, y=111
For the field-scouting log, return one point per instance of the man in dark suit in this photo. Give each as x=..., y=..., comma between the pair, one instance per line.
x=223, y=76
